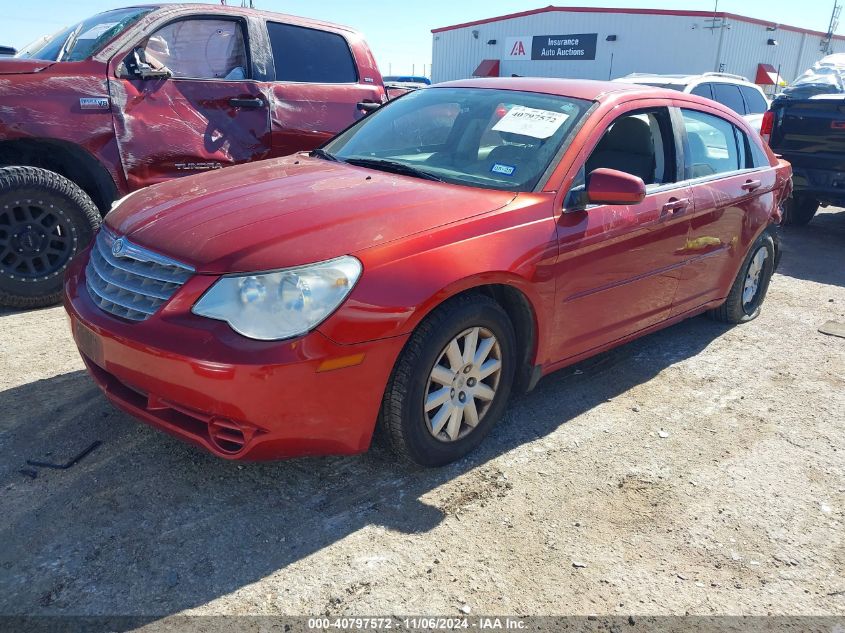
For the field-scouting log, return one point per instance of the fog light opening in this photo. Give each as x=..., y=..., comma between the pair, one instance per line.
x=228, y=436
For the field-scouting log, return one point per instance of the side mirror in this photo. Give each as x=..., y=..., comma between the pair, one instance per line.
x=149, y=71
x=7, y=51
x=610, y=186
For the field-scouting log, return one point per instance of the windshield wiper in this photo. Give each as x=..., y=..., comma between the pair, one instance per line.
x=321, y=153
x=70, y=42
x=394, y=167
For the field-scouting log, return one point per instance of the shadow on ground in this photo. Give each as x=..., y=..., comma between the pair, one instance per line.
x=816, y=252
x=148, y=526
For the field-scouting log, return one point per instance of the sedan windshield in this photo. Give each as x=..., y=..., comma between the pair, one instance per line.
x=83, y=39
x=495, y=139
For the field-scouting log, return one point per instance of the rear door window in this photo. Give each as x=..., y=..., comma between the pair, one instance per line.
x=730, y=96
x=702, y=90
x=310, y=56
x=755, y=102
x=712, y=145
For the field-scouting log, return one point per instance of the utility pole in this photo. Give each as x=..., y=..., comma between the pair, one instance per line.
x=827, y=43
x=718, y=23
x=715, y=22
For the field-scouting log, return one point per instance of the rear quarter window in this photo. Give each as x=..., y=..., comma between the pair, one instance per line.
x=310, y=56
x=730, y=96
x=754, y=101
x=754, y=154
x=702, y=90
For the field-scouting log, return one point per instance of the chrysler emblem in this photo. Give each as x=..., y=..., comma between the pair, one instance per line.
x=117, y=247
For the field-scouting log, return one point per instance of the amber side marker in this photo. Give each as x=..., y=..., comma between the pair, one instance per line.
x=341, y=362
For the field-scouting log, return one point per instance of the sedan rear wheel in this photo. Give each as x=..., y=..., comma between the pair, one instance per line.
x=753, y=279
x=751, y=283
x=451, y=382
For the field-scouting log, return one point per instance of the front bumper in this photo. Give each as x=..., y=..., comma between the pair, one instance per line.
x=240, y=399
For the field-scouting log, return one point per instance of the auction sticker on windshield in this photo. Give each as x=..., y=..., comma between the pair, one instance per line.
x=531, y=122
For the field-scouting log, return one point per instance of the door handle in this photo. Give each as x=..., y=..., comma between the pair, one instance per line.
x=676, y=205
x=751, y=185
x=368, y=106
x=251, y=102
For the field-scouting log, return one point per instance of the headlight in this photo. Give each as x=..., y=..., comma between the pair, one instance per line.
x=282, y=304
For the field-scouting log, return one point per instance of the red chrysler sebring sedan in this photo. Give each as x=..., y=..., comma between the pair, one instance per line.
x=446, y=250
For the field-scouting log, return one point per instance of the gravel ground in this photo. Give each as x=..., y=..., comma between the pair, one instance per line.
x=699, y=470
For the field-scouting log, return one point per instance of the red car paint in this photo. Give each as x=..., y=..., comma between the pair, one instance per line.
x=593, y=279
x=154, y=130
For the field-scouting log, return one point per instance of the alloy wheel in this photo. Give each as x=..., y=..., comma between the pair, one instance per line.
x=35, y=241
x=462, y=384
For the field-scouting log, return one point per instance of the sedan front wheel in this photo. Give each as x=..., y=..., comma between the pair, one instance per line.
x=451, y=383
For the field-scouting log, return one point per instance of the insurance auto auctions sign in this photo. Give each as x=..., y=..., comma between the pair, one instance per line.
x=577, y=46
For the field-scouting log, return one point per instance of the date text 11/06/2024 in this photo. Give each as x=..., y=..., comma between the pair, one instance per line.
x=417, y=623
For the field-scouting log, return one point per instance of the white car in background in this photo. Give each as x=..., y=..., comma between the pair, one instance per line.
x=733, y=91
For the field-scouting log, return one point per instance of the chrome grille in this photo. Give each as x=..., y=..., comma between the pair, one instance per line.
x=129, y=281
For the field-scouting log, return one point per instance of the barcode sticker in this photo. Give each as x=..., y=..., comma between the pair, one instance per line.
x=531, y=122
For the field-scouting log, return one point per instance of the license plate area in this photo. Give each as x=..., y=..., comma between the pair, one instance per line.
x=89, y=342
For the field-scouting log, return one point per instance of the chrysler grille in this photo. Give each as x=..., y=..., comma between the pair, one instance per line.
x=129, y=281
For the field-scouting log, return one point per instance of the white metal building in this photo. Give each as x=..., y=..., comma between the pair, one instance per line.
x=602, y=43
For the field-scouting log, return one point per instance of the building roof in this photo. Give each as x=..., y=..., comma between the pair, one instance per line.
x=669, y=12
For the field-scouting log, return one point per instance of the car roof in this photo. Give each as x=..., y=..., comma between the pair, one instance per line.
x=683, y=80
x=188, y=8
x=575, y=88
x=588, y=89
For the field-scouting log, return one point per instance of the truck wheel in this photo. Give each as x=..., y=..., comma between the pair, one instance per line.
x=451, y=382
x=45, y=220
x=800, y=210
x=750, y=286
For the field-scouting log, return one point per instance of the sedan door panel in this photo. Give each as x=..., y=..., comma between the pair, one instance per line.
x=732, y=195
x=618, y=270
x=724, y=219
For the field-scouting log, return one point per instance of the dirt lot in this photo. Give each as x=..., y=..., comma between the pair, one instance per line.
x=699, y=470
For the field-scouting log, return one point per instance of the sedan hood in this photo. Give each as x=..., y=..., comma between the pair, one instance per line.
x=15, y=66
x=288, y=212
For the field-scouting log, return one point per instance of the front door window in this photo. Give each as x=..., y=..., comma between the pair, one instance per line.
x=199, y=49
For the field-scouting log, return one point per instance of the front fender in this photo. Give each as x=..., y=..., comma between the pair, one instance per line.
x=404, y=281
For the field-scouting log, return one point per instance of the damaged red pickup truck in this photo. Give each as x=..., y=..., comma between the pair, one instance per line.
x=139, y=95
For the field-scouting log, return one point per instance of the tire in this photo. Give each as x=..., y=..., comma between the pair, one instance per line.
x=739, y=308
x=45, y=219
x=800, y=210
x=404, y=420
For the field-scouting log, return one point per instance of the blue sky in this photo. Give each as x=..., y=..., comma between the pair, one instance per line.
x=399, y=31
